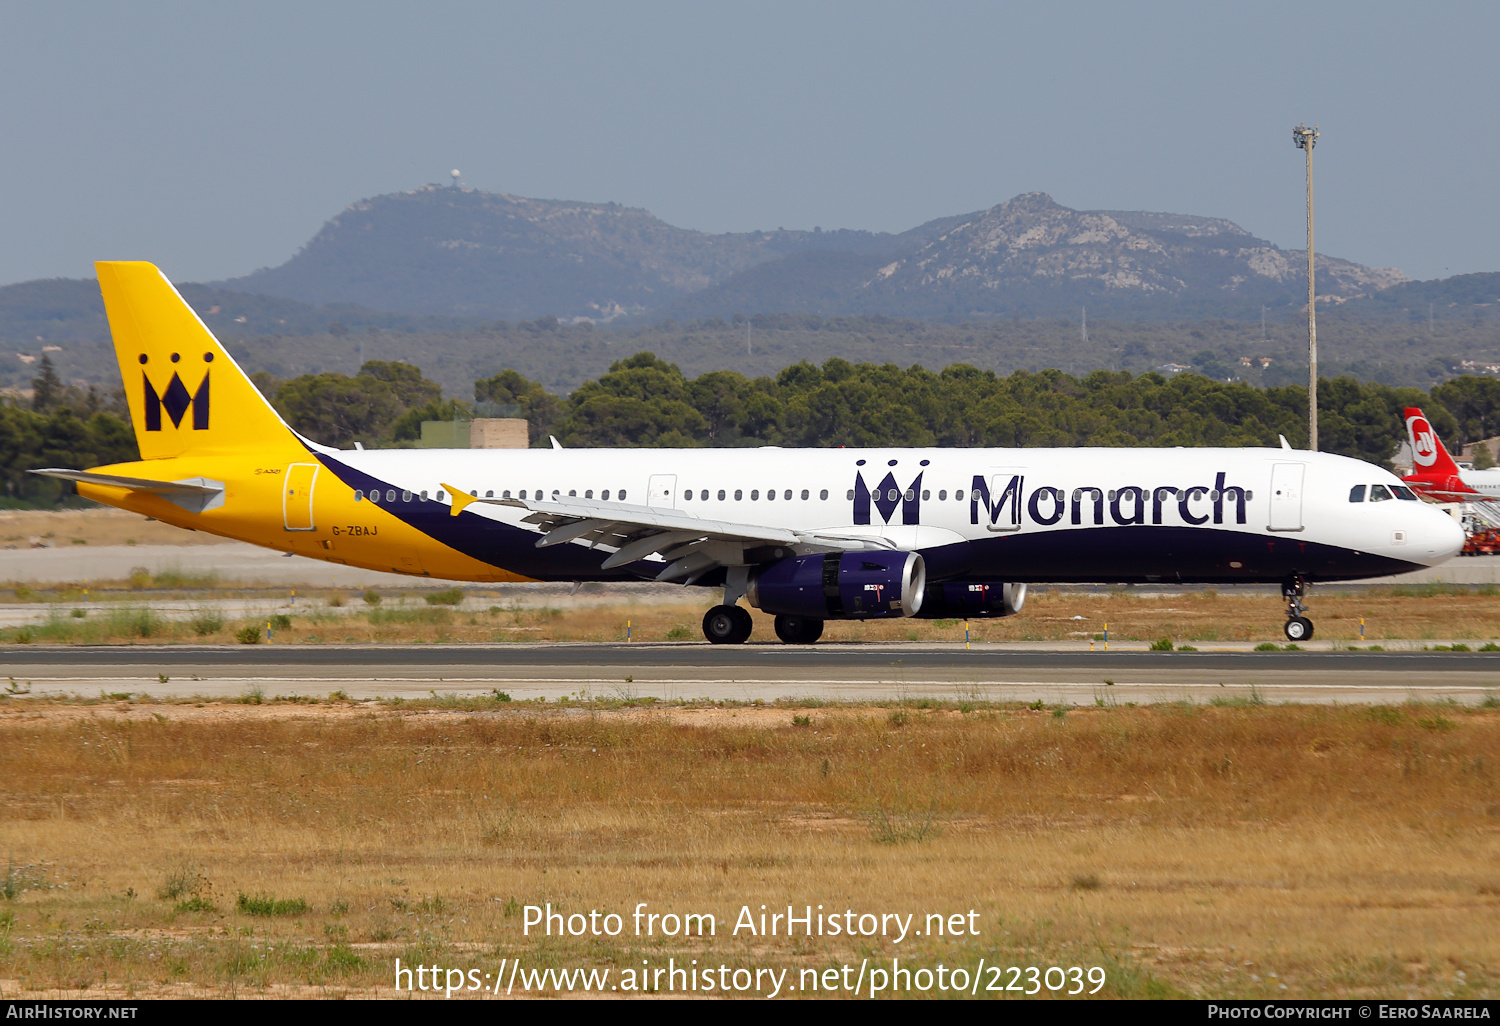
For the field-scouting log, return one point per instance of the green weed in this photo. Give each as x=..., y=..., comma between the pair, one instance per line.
x=182, y=880
x=265, y=905
x=204, y=622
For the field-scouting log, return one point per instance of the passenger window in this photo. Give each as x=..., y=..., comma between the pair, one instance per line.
x=850, y=495
x=942, y=495
x=405, y=496
x=1357, y=493
x=754, y=494
x=1378, y=493
x=770, y=495
x=621, y=496
x=555, y=493
x=604, y=495
x=960, y=494
x=787, y=495
x=721, y=495
x=573, y=493
x=589, y=494
x=488, y=495
x=703, y=495
x=424, y=495
x=910, y=495
x=688, y=494
x=390, y=495
x=504, y=495
x=823, y=494
x=1402, y=492
x=926, y=494
x=738, y=495
x=440, y=495
x=359, y=494
x=804, y=493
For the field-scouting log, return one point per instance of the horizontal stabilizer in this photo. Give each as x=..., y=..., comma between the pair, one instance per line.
x=194, y=494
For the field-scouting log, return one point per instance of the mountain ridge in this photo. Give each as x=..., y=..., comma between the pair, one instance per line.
x=461, y=252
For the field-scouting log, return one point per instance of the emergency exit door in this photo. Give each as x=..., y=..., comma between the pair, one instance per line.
x=297, y=496
x=662, y=491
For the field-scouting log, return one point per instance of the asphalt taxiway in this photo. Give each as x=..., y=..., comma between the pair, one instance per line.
x=766, y=672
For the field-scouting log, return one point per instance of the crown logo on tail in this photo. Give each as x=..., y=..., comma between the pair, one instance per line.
x=176, y=400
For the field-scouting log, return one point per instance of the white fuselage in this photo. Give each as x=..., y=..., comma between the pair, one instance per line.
x=1046, y=514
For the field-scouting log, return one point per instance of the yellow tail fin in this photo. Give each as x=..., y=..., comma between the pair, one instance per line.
x=186, y=394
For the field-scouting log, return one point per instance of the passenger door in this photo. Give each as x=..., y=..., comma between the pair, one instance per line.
x=1286, y=496
x=297, y=496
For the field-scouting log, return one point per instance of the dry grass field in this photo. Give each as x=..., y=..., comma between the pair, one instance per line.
x=1415, y=614
x=1188, y=850
x=93, y=527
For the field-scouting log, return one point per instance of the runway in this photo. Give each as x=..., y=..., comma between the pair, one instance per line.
x=757, y=672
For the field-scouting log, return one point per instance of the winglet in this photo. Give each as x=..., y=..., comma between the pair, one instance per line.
x=461, y=499
x=1284, y=443
x=555, y=443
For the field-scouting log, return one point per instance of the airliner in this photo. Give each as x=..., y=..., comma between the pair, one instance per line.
x=1435, y=475
x=806, y=535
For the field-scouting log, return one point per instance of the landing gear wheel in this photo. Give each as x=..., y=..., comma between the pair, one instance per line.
x=798, y=630
x=727, y=625
x=1298, y=628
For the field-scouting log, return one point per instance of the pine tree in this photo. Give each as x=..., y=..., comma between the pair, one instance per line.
x=46, y=388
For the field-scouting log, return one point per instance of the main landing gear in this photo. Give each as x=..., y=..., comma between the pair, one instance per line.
x=727, y=625
x=798, y=630
x=1298, y=627
x=731, y=625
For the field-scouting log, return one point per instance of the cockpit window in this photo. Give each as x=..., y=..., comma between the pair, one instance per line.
x=1402, y=492
x=1379, y=493
x=1357, y=493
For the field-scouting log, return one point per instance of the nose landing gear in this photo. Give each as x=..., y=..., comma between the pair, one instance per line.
x=1297, y=627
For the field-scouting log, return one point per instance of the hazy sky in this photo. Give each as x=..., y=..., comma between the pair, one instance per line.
x=215, y=138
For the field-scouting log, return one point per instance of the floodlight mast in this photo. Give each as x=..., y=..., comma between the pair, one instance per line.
x=1305, y=139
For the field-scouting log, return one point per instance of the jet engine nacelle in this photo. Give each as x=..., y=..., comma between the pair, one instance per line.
x=842, y=586
x=972, y=600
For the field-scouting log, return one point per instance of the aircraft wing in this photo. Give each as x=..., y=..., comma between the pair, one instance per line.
x=690, y=546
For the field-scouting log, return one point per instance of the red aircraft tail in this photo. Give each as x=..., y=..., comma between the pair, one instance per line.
x=1433, y=469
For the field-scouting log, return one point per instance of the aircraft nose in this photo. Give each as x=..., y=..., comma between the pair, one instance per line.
x=1442, y=538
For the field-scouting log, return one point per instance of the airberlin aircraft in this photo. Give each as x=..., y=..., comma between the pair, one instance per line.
x=807, y=535
x=1435, y=475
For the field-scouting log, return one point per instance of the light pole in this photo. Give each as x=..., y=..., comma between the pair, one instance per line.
x=1305, y=139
